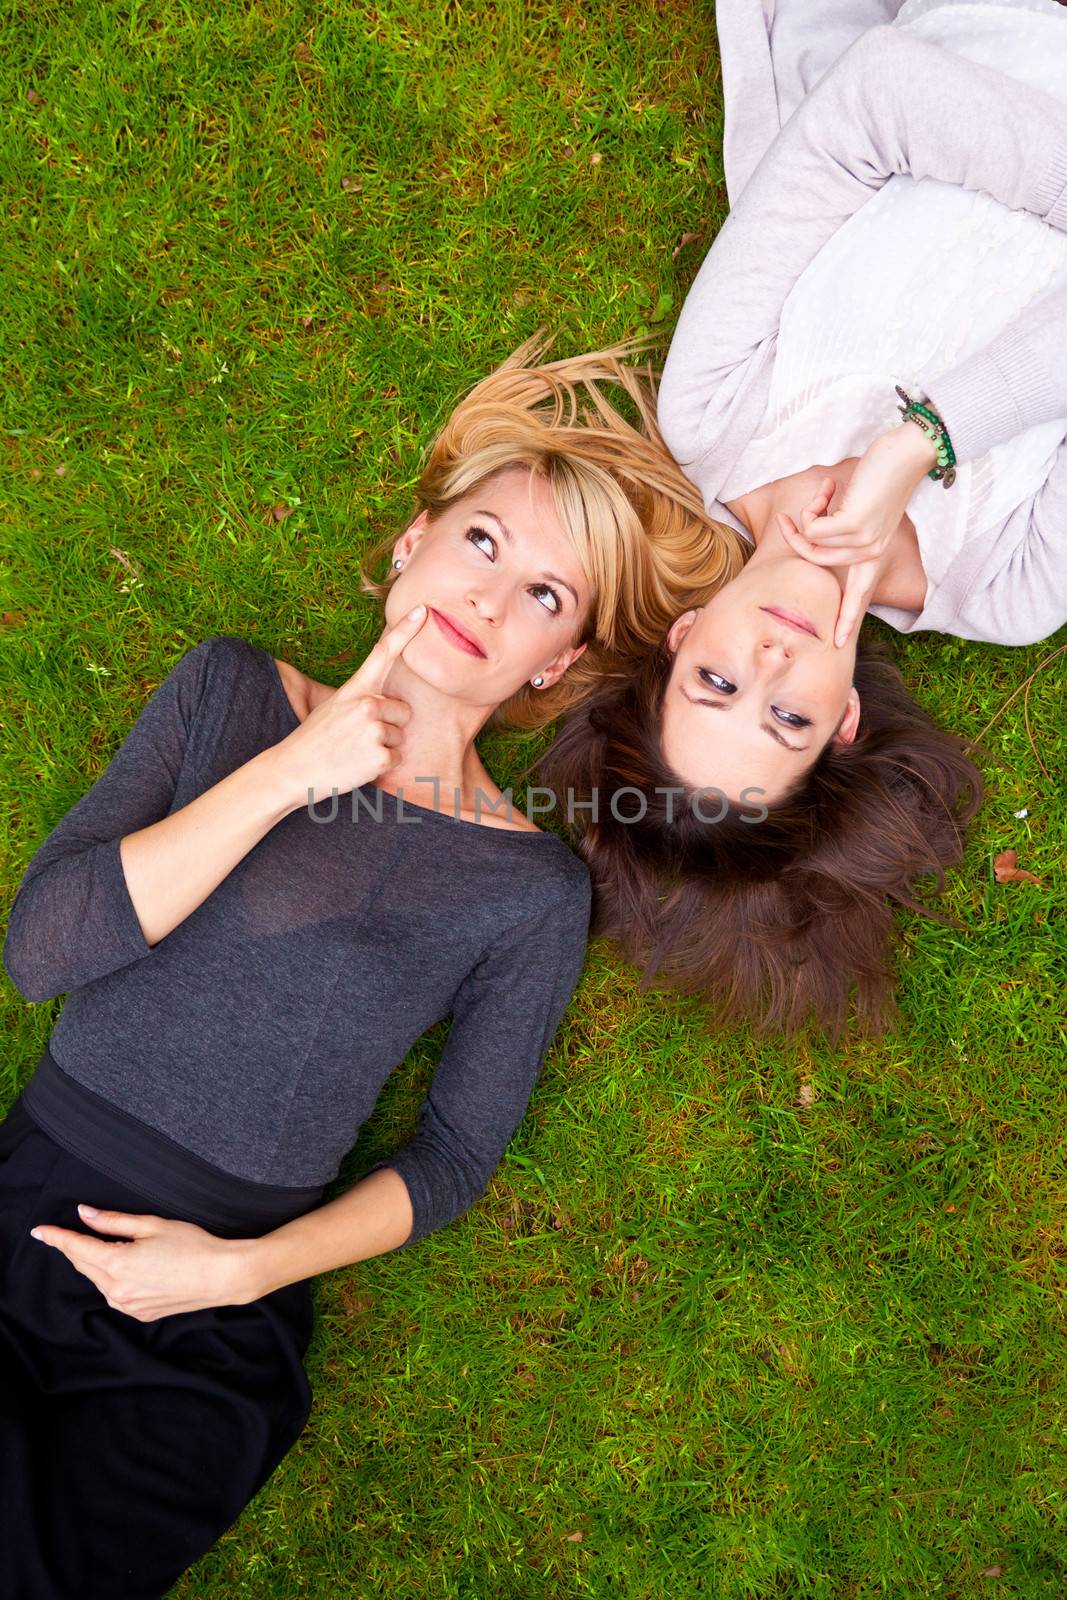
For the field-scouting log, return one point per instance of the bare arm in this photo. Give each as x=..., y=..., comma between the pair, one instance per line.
x=374, y=1216
x=121, y=870
x=173, y=865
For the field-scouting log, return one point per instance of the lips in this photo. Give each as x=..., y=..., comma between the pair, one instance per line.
x=792, y=619
x=456, y=635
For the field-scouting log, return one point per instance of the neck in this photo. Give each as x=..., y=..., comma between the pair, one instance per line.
x=438, y=745
x=901, y=579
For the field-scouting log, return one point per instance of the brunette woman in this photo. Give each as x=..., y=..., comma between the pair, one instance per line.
x=905, y=229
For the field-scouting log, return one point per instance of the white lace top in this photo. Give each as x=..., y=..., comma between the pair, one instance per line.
x=933, y=272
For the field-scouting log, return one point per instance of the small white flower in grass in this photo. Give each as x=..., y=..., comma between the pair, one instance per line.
x=1019, y=815
x=104, y=672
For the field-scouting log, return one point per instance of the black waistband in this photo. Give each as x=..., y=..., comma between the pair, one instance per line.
x=125, y=1148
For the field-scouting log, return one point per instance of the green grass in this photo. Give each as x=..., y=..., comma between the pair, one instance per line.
x=746, y=1348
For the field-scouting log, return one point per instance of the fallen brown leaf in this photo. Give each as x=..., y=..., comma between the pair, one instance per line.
x=120, y=555
x=575, y=1538
x=1005, y=870
x=687, y=238
x=34, y=98
x=992, y=1572
x=806, y=1097
x=279, y=512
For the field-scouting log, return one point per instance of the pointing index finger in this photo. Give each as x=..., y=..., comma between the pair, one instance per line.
x=374, y=671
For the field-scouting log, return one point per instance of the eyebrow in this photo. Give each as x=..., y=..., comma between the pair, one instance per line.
x=509, y=538
x=765, y=727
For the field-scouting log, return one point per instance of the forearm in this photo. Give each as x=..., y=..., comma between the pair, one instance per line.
x=1016, y=382
x=893, y=105
x=374, y=1216
x=172, y=866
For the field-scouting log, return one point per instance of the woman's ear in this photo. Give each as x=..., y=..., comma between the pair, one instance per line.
x=678, y=630
x=559, y=664
x=848, y=727
x=405, y=546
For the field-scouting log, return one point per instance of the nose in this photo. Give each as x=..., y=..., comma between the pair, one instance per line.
x=772, y=647
x=486, y=600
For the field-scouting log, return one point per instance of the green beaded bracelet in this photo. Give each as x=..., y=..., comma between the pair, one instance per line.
x=936, y=432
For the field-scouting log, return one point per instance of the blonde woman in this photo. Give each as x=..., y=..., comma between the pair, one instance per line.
x=245, y=968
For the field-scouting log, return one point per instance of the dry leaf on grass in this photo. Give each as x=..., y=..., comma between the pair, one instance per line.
x=1005, y=870
x=687, y=238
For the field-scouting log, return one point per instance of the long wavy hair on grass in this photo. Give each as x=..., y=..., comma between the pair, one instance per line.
x=637, y=524
x=780, y=921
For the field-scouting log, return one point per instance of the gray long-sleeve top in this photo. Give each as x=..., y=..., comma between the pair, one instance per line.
x=802, y=154
x=259, y=1032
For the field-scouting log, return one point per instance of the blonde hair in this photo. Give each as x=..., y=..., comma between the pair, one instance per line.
x=645, y=544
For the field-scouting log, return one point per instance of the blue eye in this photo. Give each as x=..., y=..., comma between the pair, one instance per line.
x=473, y=534
x=543, y=588
x=792, y=719
x=716, y=681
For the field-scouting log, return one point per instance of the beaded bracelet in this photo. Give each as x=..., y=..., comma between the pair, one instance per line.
x=935, y=430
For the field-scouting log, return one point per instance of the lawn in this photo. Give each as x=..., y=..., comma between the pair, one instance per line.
x=735, y=1319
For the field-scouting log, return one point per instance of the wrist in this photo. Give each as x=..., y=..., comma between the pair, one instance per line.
x=254, y=1268
x=274, y=783
x=912, y=447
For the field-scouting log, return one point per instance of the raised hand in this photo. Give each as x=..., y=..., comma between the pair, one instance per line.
x=860, y=533
x=356, y=734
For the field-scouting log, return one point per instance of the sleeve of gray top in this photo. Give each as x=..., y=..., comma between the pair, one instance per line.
x=72, y=919
x=505, y=1014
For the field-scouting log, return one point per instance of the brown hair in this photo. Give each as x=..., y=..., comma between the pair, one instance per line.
x=775, y=921
x=637, y=524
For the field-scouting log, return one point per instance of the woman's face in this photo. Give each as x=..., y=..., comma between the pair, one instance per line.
x=506, y=595
x=757, y=687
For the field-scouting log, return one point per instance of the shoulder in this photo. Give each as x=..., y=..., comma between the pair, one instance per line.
x=214, y=675
x=219, y=652
x=555, y=886
x=226, y=658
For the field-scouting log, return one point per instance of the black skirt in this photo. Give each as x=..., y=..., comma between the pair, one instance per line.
x=126, y=1447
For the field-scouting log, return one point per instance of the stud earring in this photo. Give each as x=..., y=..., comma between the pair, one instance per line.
x=398, y=563
x=538, y=682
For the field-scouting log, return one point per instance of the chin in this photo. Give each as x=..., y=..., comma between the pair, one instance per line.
x=810, y=582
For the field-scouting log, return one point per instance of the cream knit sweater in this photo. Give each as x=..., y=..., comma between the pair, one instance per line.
x=890, y=104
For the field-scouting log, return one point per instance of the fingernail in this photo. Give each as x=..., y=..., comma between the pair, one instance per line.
x=88, y=1211
x=35, y=1233
x=416, y=612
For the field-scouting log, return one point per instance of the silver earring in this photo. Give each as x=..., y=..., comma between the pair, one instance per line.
x=398, y=563
x=538, y=682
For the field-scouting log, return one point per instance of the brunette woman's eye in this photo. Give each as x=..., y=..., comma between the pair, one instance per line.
x=474, y=534
x=716, y=681
x=555, y=605
x=792, y=719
